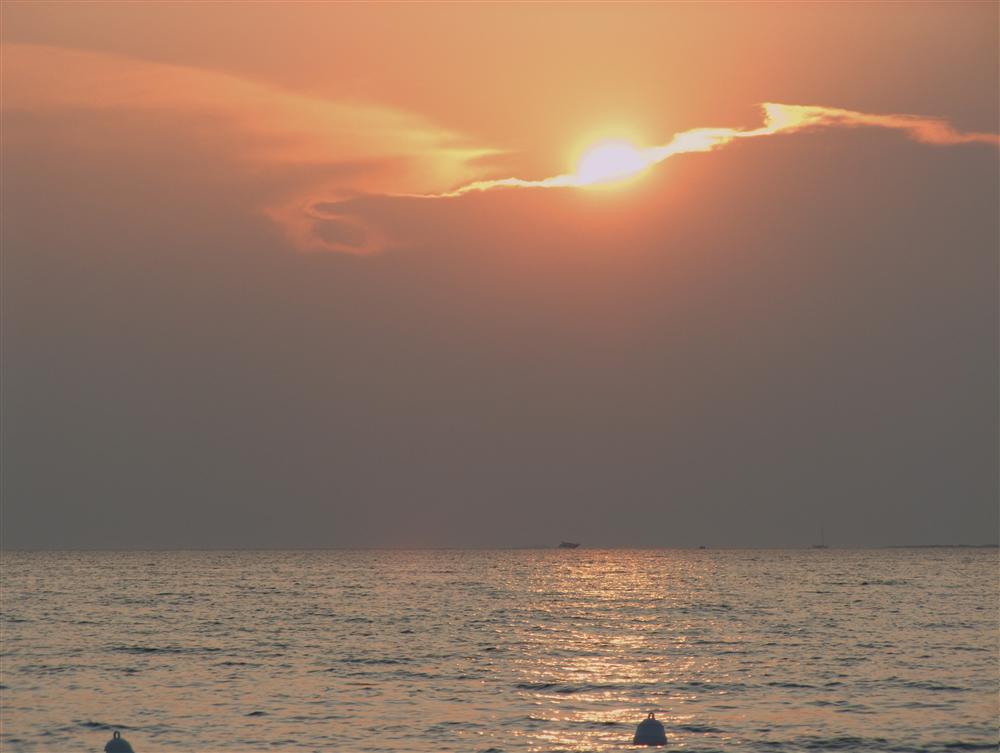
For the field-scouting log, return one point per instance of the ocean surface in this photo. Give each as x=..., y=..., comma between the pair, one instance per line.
x=533, y=650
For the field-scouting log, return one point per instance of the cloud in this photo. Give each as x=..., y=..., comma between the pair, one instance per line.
x=313, y=157
x=327, y=225
x=778, y=118
x=919, y=128
x=270, y=127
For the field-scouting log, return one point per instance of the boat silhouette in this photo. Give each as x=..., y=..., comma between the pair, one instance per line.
x=569, y=544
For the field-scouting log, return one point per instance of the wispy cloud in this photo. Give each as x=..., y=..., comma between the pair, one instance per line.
x=778, y=118
x=269, y=126
x=330, y=224
x=312, y=156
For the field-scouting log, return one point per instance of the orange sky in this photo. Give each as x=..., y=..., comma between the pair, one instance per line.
x=246, y=258
x=430, y=97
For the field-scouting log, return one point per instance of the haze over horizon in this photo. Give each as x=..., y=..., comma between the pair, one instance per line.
x=250, y=301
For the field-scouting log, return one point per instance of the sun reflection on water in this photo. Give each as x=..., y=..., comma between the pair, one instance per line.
x=517, y=651
x=606, y=642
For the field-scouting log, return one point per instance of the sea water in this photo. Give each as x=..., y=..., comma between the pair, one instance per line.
x=533, y=650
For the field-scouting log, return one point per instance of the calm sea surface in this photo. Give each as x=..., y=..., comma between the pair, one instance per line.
x=848, y=650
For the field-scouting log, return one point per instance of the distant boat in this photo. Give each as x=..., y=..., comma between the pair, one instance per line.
x=569, y=544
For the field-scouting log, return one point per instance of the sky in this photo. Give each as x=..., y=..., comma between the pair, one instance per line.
x=499, y=275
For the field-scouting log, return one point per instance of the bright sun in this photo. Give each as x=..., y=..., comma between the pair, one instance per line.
x=610, y=161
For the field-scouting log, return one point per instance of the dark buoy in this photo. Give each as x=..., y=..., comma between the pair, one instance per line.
x=650, y=732
x=118, y=744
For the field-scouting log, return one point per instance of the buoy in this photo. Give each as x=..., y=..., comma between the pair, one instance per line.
x=118, y=744
x=650, y=732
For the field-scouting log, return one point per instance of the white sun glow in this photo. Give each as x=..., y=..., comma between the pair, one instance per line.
x=610, y=161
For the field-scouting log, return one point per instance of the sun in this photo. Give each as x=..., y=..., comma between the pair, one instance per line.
x=610, y=161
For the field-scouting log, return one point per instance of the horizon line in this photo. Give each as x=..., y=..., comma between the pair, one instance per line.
x=706, y=547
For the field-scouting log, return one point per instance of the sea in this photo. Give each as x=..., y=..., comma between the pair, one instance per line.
x=489, y=651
